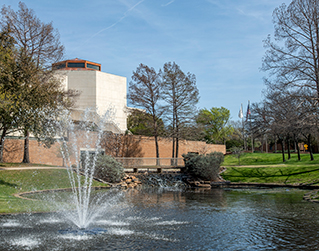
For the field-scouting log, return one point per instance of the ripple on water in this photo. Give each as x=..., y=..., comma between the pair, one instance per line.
x=112, y=223
x=172, y=222
x=76, y=237
x=11, y=223
x=25, y=242
x=120, y=231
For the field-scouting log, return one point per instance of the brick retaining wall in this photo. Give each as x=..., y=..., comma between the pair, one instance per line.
x=39, y=154
x=185, y=146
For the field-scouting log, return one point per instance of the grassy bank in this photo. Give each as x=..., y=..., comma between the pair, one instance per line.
x=269, y=168
x=269, y=159
x=18, y=181
x=22, y=165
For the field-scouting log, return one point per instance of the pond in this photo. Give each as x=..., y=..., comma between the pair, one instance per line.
x=217, y=219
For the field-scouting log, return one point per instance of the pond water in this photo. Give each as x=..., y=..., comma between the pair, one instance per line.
x=217, y=219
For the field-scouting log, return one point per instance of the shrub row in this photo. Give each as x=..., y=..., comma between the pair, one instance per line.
x=203, y=166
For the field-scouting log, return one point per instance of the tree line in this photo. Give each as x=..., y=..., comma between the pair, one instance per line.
x=168, y=98
x=288, y=113
x=30, y=96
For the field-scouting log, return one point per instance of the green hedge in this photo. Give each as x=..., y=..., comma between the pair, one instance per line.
x=108, y=169
x=203, y=166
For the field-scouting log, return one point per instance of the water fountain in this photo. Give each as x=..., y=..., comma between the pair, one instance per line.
x=170, y=219
x=80, y=148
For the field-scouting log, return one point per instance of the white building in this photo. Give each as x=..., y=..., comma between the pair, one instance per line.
x=98, y=89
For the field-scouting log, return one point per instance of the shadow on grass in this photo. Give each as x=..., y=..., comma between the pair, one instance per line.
x=2, y=182
x=258, y=173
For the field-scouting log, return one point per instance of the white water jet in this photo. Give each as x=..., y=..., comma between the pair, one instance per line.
x=80, y=146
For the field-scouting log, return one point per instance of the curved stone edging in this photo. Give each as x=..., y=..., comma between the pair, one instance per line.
x=20, y=195
x=243, y=184
x=308, y=196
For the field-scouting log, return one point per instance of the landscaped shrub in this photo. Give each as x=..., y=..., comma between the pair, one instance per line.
x=238, y=151
x=203, y=166
x=108, y=169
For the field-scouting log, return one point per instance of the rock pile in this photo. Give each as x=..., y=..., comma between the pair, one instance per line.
x=163, y=179
x=170, y=179
x=129, y=181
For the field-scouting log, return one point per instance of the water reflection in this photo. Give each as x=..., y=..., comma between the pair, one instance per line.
x=242, y=219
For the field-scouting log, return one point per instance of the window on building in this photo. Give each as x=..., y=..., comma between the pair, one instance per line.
x=76, y=65
x=59, y=66
x=92, y=66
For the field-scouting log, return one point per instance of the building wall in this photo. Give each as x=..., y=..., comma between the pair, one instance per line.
x=85, y=82
x=185, y=146
x=38, y=153
x=111, y=93
x=51, y=156
x=99, y=90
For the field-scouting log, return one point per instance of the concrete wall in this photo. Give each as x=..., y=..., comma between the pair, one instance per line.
x=111, y=93
x=99, y=90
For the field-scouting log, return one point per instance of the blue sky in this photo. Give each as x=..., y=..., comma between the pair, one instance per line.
x=220, y=41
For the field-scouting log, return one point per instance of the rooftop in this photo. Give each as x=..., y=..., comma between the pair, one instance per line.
x=77, y=65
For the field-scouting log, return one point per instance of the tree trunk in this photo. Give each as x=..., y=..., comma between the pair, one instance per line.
x=173, y=151
x=288, y=147
x=282, y=142
x=266, y=144
x=3, y=135
x=262, y=145
x=156, y=139
x=252, y=144
x=157, y=150
x=298, y=150
x=297, y=146
x=310, y=147
x=275, y=144
x=245, y=143
x=26, y=156
x=177, y=141
x=176, y=149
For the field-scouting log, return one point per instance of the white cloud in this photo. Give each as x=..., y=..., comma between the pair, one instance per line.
x=164, y=5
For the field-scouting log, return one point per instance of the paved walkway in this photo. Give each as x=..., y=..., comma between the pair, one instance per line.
x=31, y=167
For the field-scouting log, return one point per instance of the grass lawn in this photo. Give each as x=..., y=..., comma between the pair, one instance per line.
x=21, y=165
x=17, y=181
x=271, y=169
x=269, y=159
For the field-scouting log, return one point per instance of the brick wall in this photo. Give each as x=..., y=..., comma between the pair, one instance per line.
x=185, y=146
x=39, y=154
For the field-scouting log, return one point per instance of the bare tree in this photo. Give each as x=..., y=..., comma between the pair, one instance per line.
x=293, y=58
x=8, y=99
x=286, y=114
x=181, y=95
x=38, y=40
x=145, y=92
x=121, y=145
x=37, y=46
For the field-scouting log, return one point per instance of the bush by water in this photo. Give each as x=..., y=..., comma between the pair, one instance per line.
x=108, y=169
x=203, y=166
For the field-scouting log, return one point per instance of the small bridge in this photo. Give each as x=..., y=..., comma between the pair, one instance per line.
x=151, y=163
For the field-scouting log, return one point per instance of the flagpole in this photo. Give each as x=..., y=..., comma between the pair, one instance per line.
x=241, y=116
x=243, y=124
x=251, y=132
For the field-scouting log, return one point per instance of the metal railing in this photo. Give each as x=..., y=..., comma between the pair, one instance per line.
x=129, y=162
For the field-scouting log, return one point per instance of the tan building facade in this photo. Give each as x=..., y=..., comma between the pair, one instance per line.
x=98, y=90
